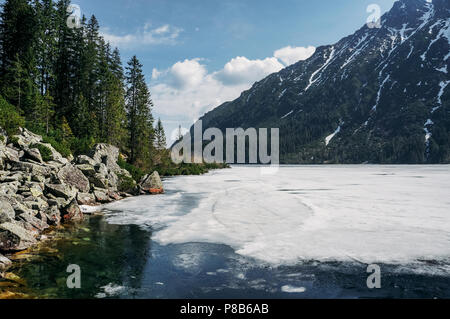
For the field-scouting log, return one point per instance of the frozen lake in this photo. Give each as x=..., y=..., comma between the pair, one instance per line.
x=368, y=214
x=304, y=232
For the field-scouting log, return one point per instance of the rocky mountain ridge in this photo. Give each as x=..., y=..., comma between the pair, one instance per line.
x=379, y=95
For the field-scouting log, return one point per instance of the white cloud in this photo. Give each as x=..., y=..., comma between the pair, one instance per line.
x=188, y=73
x=155, y=74
x=242, y=70
x=165, y=34
x=290, y=55
x=186, y=90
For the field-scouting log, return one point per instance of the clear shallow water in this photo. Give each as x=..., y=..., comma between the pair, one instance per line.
x=306, y=232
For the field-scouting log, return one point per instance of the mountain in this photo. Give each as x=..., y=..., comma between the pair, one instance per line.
x=380, y=95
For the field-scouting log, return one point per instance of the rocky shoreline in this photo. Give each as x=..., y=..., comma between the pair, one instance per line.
x=40, y=189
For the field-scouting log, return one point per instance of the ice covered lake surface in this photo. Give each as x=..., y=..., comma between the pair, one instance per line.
x=303, y=232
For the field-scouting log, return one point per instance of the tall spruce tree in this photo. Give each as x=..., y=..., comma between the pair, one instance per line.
x=140, y=119
x=17, y=42
x=160, y=136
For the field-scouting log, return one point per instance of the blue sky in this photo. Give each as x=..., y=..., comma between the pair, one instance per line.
x=198, y=54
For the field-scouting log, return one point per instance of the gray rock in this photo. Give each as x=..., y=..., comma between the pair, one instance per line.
x=3, y=138
x=57, y=158
x=72, y=212
x=152, y=184
x=83, y=159
x=72, y=176
x=99, y=180
x=37, y=204
x=38, y=178
x=4, y=263
x=9, y=188
x=32, y=223
x=7, y=212
x=11, y=155
x=12, y=177
x=106, y=154
x=31, y=168
x=101, y=169
x=85, y=199
x=14, y=237
x=52, y=216
x=101, y=196
x=33, y=154
x=60, y=190
x=58, y=202
x=87, y=169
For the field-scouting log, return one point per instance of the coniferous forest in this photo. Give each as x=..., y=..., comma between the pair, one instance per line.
x=69, y=85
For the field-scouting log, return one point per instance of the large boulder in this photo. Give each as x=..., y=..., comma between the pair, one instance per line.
x=108, y=155
x=31, y=168
x=14, y=237
x=87, y=169
x=72, y=212
x=25, y=138
x=7, y=212
x=101, y=196
x=9, y=188
x=86, y=199
x=11, y=154
x=152, y=184
x=72, y=176
x=32, y=223
x=33, y=154
x=99, y=180
x=51, y=216
x=83, y=159
x=57, y=158
x=60, y=190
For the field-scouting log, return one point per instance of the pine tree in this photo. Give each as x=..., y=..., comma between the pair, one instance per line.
x=160, y=136
x=140, y=119
x=115, y=101
x=46, y=43
x=17, y=42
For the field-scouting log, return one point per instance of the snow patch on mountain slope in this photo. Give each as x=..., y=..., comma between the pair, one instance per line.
x=323, y=67
x=331, y=136
x=443, y=32
x=283, y=117
x=357, y=49
x=374, y=108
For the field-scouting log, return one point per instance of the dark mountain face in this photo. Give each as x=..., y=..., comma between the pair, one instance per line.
x=380, y=95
